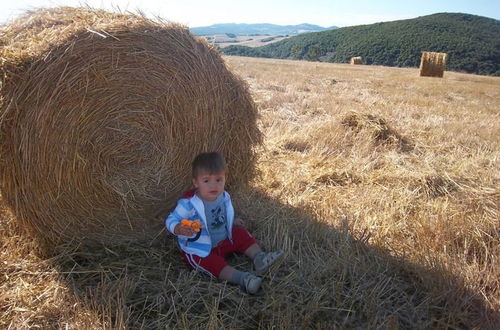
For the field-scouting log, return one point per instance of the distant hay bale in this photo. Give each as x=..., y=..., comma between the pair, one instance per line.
x=432, y=64
x=101, y=115
x=356, y=60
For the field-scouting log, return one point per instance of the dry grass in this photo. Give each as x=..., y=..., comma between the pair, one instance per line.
x=381, y=186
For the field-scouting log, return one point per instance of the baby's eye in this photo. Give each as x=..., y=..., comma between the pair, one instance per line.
x=205, y=181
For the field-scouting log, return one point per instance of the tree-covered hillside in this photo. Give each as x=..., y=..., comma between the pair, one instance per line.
x=472, y=43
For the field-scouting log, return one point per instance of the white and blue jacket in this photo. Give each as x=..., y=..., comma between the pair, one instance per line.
x=192, y=208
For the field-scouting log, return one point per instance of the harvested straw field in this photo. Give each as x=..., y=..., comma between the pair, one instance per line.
x=382, y=188
x=101, y=116
x=432, y=64
x=356, y=60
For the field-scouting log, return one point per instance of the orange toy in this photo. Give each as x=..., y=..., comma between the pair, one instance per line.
x=195, y=224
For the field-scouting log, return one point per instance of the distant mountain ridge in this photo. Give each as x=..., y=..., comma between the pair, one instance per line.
x=471, y=42
x=257, y=29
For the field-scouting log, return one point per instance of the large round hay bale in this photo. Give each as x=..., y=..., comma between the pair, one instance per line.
x=101, y=115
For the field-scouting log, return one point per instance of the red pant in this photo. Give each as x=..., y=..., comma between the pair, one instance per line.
x=216, y=260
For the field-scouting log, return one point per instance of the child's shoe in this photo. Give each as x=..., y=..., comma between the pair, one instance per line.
x=264, y=260
x=251, y=284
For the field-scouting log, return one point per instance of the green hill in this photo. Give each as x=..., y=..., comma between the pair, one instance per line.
x=472, y=43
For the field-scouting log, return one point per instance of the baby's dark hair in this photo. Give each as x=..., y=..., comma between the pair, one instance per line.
x=212, y=162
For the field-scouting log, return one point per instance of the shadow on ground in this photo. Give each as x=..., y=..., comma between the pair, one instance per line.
x=328, y=279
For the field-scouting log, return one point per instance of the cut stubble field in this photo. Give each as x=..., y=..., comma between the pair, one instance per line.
x=223, y=40
x=380, y=185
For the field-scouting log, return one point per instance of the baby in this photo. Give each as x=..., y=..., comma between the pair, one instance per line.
x=221, y=232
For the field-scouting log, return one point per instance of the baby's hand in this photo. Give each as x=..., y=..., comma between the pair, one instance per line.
x=195, y=224
x=183, y=230
x=239, y=222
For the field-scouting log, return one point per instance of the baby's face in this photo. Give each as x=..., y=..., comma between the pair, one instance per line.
x=209, y=185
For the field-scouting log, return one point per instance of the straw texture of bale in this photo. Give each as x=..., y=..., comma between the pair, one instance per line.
x=356, y=60
x=101, y=115
x=432, y=64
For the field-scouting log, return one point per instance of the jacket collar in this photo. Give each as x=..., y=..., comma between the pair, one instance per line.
x=200, y=208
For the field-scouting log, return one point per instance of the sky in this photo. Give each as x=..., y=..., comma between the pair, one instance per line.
x=325, y=13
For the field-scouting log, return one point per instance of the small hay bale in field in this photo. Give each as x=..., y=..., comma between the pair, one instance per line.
x=356, y=60
x=432, y=64
x=101, y=115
